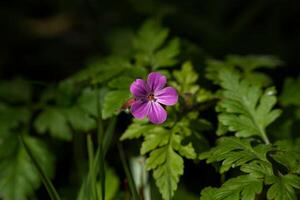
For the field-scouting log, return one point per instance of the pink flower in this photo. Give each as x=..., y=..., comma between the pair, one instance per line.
x=149, y=97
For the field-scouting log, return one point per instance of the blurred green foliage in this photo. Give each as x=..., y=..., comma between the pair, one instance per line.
x=228, y=113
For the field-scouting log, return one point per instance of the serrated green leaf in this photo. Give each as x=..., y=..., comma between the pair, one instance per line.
x=186, y=79
x=168, y=166
x=214, y=67
x=166, y=56
x=18, y=176
x=242, y=187
x=234, y=152
x=245, y=109
x=113, y=102
x=208, y=193
x=287, y=153
x=187, y=150
x=156, y=158
x=150, y=49
x=150, y=37
x=258, y=169
x=157, y=137
x=54, y=121
x=136, y=130
x=283, y=187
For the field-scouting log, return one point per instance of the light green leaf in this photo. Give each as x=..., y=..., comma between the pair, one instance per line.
x=156, y=158
x=186, y=79
x=208, y=193
x=167, y=166
x=157, y=137
x=136, y=130
x=187, y=151
x=113, y=102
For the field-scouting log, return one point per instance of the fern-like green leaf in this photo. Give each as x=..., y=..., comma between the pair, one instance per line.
x=137, y=129
x=234, y=152
x=150, y=49
x=166, y=57
x=287, y=153
x=245, y=109
x=186, y=79
x=283, y=187
x=158, y=136
x=187, y=150
x=167, y=167
x=242, y=187
x=150, y=37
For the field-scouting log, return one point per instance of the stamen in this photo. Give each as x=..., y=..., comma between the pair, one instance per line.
x=150, y=97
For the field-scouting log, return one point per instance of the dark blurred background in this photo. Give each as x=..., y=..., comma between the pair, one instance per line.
x=47, y=40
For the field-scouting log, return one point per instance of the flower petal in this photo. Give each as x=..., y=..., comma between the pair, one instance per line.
x=157, y=113
x=139, y=88
x=156, y=81
x=167, y=96
x=140, y=109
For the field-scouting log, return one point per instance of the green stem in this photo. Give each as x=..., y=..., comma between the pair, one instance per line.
x=100, y=134
x=131, y=182
x=109, y=135
x=91, y=175
x=47, y=183
x=265, y=137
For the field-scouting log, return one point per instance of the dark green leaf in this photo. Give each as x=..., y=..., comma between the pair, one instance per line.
x=54, y=121
x=234, y=152
x=245, y=109
x=283, y=187
x=18, y=176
